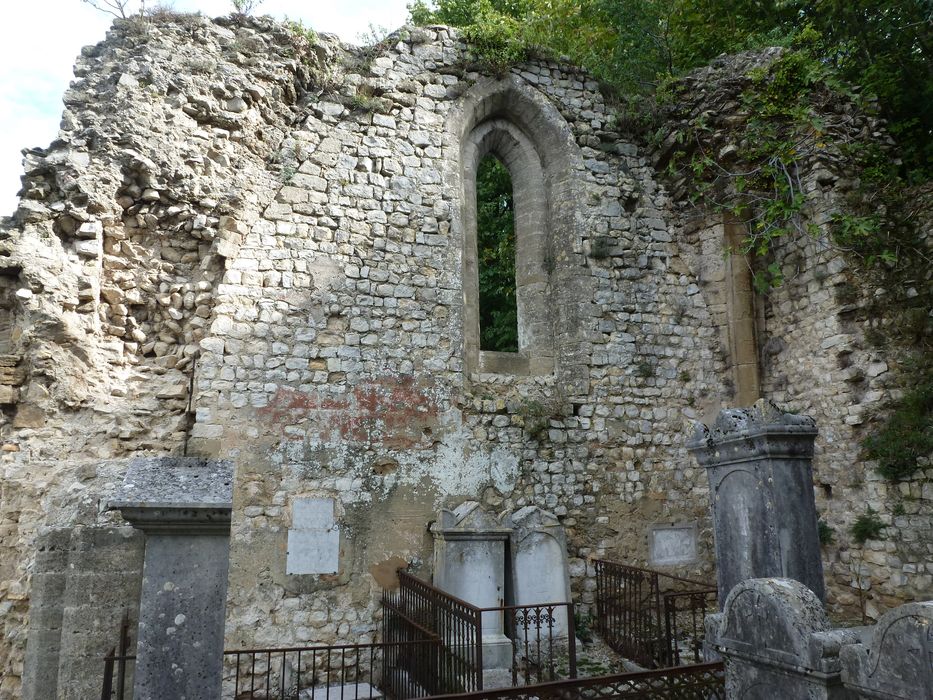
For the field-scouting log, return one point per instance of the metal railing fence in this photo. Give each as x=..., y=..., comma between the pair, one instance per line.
x=650, y=617
x=692, y=682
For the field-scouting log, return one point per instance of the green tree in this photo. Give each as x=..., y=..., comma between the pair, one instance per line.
x=495, y=243
x=881, y=46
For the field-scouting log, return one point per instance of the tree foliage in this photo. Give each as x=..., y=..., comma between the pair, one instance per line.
x=882, y=46
x=495, y=238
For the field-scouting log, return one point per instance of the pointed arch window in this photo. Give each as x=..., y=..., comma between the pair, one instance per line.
x=498, y=152
x=495, y=249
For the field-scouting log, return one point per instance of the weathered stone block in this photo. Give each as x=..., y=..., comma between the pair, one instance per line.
x=183, y=505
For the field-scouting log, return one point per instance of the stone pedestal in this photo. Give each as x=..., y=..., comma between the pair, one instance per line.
x=758, y=461
x=469, y=563
x=183, y=506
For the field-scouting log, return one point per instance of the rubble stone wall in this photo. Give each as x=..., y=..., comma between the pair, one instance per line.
x=248, y=245
x=813, y=335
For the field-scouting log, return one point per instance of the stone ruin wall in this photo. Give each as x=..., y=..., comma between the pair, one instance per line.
x=814, y=356
x=814, y=336
x=243, y=246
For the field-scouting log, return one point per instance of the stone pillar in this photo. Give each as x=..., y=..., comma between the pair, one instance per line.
x=740, y=312
x=183, y=505
x=777, y=643
x=469, y=563
x=758, y=461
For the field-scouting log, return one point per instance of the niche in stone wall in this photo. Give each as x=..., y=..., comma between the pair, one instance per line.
x=12, y=374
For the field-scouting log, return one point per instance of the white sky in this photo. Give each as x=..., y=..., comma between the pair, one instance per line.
x=39, y=40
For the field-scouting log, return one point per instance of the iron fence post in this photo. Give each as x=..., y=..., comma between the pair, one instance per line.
x=572, y=639
x=670, y=631
x=107, y=688
x=479, y=649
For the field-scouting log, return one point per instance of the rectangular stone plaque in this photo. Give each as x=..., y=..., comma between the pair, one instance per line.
x=312, y=513
x=313, y=539
x=672, y=545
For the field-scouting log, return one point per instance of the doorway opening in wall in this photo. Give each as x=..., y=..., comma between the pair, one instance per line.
x=495, y=242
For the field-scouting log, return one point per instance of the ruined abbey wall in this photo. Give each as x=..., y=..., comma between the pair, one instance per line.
x=251, y=246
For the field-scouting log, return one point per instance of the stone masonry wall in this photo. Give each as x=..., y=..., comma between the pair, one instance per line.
x=815, y=338
x=337, y=343
x=815, y=352
x=249, y=245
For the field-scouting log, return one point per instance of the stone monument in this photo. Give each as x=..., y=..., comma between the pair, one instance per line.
x=469, y=563
x=777, y=643
x=183, y=506
x=761, y=489
x=539, y=562
x=895, y=656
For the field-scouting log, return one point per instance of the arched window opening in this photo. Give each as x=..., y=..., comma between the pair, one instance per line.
x=495, y=238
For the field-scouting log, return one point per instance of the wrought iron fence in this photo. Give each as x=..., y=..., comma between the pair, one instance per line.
x=121, y=687
x=418, y=606
x=684, y=613
x=651, y=617
x=122, y=663
x=692, y=682
x=337, y=672
x=543, y=638
x=432, y=644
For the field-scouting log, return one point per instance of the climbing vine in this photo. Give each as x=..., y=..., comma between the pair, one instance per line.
x=794, y=124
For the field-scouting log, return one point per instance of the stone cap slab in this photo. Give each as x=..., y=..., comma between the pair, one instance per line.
x=176, y=494
x=763, y=429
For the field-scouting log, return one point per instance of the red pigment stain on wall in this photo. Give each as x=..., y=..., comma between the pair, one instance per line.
x=393, y=412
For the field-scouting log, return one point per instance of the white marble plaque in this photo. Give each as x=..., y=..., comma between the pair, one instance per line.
x=673, y=545
x=313, y=539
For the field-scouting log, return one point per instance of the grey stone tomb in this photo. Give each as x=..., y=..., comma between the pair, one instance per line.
x=469, y=563
x=758, y=461
x=183, y=506
x=777, y=643
x=894, y=658
x=539, y=562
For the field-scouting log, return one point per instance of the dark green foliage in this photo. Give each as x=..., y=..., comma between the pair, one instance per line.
x=826, y=533
x=583, y=626
x=885, y=47
x=495, y=242
x=881, y=46
x=463, y=13
x=907, y=434
x=494, y=28
x=645, y=369
x=536, y=417
x=867, y=526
